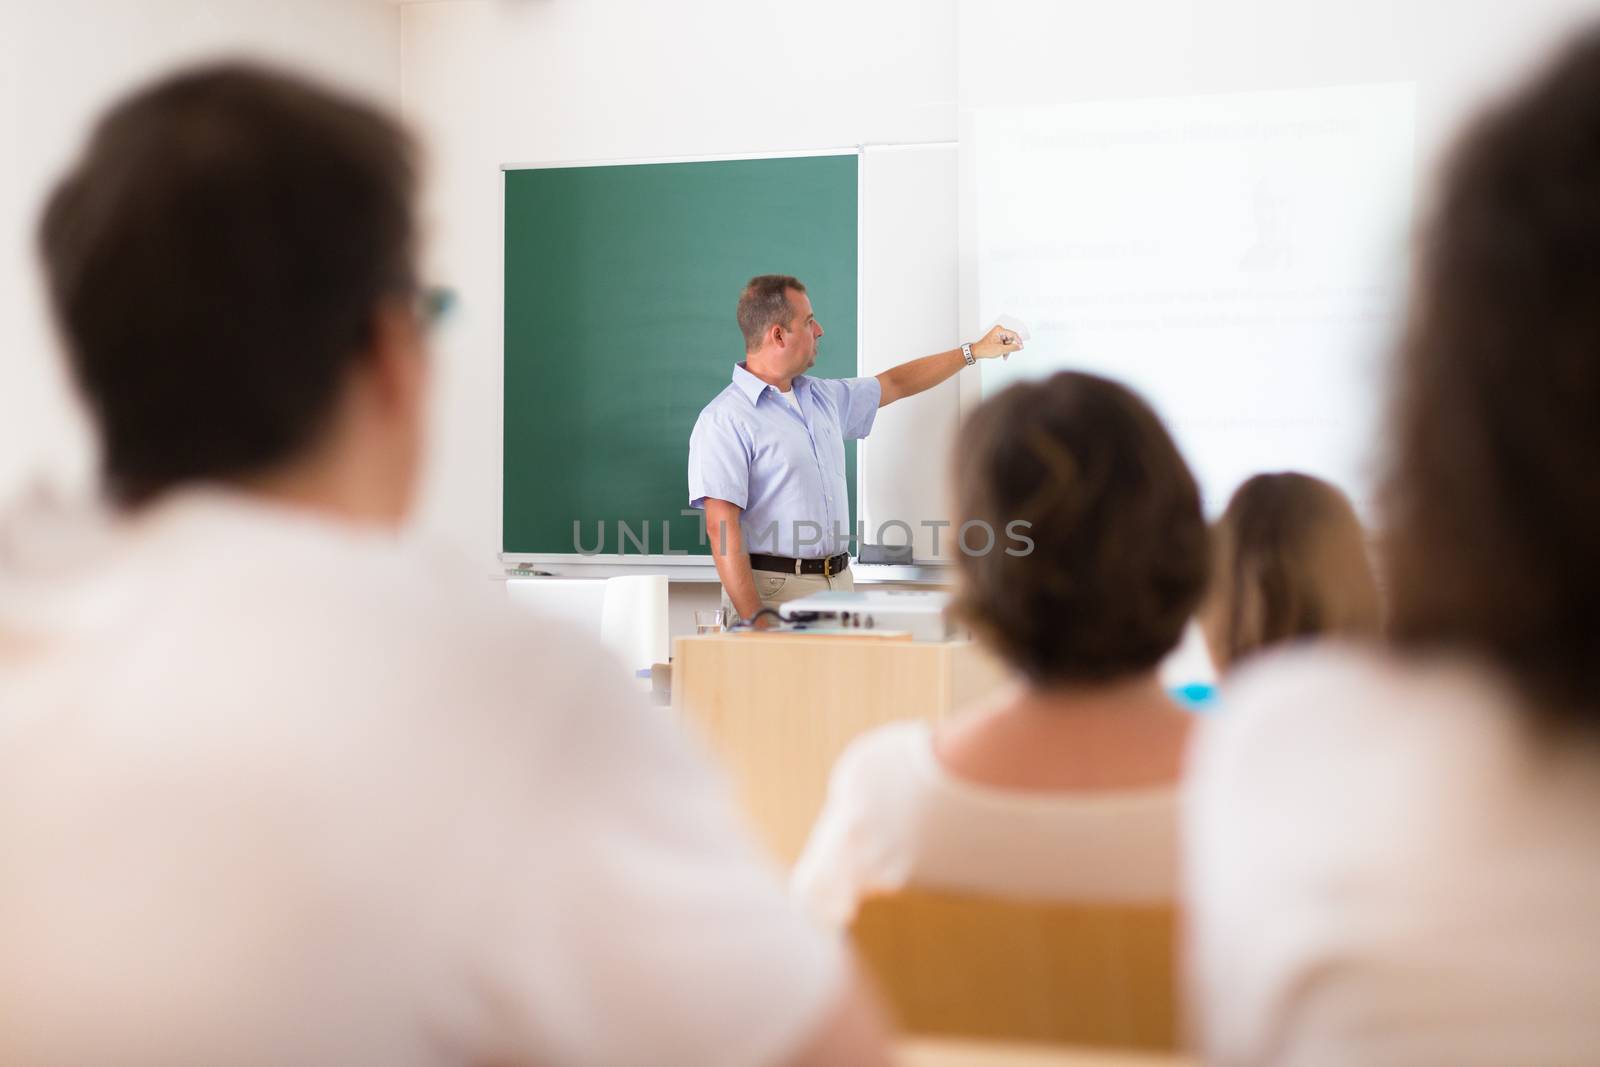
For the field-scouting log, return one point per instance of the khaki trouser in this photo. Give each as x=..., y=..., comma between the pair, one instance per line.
x=776, y=587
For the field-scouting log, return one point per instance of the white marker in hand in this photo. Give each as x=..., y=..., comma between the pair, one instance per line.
x=1016, y=326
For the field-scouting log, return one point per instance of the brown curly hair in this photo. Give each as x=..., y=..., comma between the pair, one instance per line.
x=1493, y=496
x=1120, y=553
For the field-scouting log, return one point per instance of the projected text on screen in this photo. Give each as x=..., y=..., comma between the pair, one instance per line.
x=1238, y=259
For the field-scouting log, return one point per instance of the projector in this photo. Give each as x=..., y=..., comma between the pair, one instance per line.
x=921, y=613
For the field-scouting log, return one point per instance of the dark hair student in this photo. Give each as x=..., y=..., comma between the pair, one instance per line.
x=1120, y=553
x=214, y=260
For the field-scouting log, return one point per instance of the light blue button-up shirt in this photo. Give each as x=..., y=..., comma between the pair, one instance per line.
x=785, y=468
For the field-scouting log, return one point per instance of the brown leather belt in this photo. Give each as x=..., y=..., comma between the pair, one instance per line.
x=828, y=567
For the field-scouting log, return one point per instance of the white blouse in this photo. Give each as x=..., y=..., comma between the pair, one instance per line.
x=895, y=817
x=1385, y=868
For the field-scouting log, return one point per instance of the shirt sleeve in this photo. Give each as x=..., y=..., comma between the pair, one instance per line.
x=644, y=926
x=857, y=401
x=719, y=463
x=856, y=847
x=826, y=879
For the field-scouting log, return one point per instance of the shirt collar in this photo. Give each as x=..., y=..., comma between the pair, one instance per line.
x=752, y=387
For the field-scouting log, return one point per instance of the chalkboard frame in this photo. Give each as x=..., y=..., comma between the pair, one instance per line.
x=834, y=286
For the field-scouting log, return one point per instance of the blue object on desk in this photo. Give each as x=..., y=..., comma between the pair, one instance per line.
x=1196, y=696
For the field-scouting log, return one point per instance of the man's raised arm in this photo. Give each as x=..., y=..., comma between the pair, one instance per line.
x=917, y=375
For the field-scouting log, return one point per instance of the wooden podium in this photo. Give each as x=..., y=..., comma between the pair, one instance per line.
x=777, y=709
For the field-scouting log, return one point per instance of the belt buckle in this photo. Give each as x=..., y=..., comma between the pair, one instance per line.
x=797, y=564
x=827, y=567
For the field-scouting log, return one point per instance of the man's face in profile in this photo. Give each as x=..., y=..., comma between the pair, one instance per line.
x=804, y=332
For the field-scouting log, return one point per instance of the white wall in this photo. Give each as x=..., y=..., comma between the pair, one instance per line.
x=16, y=383
x=910, y=306
x=541, y=80
x=61, y=62
x=1027, y=52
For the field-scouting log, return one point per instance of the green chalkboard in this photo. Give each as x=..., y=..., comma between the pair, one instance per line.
x=621, y=283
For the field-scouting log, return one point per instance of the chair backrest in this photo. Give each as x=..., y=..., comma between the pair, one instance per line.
x=634, y=621
x=1088, y=974
x=577, y=602
x=627, y=614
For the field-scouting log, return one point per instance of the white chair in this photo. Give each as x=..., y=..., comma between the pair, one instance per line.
x=576, y=601
x=628, y=615
x=633, y=620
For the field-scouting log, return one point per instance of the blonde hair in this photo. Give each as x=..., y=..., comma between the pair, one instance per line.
x=1289, y=560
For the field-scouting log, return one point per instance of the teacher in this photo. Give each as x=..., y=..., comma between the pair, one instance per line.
x=766, y=458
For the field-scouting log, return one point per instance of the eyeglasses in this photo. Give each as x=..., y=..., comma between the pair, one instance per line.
x=434, y=303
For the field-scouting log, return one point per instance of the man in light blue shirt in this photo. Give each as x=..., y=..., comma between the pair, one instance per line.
x=766, y=459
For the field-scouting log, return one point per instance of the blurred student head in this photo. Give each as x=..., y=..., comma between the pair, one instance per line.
x=230, y=262
x=1289, y=561
x=1492, y=500
x=1120, y=553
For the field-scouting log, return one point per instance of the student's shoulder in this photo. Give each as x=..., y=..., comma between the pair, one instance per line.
x=473, y=614
x=429, y=612
x=885, y=753
x=881, y=781
x=1282, y=696
x=1333, y=704
x=1309, y=673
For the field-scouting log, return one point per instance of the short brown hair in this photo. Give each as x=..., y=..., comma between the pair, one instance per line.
x=214, y=259
x=1289, y=560
x=1120, y=554
x=1492, y=499
x=763, y=304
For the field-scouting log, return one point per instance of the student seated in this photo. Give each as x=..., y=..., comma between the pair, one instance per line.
x=1406, y=869
x=1064, y=786
x=1289, y=561
x=272, y=789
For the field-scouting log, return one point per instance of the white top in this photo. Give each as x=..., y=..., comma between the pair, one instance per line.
x=794, y=401
x=272, y=792
x=1385, y=871
x=895, y=817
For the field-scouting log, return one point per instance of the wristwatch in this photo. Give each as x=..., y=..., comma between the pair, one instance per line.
x=966, y=354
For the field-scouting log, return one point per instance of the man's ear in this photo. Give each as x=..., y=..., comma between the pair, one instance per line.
x=395, y=362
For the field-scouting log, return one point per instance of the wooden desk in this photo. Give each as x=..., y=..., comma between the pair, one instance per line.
x=778, y=709
x=922, y=1052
